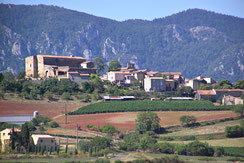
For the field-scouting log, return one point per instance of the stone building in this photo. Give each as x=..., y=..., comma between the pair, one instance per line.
x=154, y=84
x=46, y=141
x=46, y=66
x=5, y=137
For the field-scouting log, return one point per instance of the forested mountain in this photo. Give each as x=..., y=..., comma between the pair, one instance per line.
x=194, y=42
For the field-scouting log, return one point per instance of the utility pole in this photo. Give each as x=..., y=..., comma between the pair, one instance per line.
x=65, y=114
x=77, y=137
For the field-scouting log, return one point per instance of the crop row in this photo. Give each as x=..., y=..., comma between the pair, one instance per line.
x=130, y=106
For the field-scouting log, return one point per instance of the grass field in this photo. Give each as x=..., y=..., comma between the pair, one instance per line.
x=217, y=128
x=129, y=106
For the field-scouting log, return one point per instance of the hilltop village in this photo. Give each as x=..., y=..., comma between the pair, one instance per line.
x=69, y=108
x=78, y=70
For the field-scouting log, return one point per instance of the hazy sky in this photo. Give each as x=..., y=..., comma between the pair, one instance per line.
x=140, y=9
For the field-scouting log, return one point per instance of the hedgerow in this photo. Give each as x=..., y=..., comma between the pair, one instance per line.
x=130, y=106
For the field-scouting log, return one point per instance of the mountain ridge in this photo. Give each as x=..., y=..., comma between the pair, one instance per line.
x=194, y=42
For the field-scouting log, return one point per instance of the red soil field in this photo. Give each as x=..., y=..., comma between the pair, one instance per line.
x=51, y=109
x=126, y=121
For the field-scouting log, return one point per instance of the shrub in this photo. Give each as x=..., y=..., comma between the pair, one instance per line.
x=49, y=96
x=54, y=124
x=1, y=95
x=109, y=129
x=235, y=159
x=102, y=160
x=220, y=151
x=166, y=148
x=186, y=138
x=180, y=149
x=206, y=159
x=233, y=131
x=197, y=148
x=188, y=120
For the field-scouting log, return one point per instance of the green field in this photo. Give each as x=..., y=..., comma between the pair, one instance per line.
x=129, y=106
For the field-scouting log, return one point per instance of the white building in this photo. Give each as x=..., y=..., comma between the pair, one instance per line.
x=46, y=141
x=117, y=76
x=5, y=137
x=154, y=84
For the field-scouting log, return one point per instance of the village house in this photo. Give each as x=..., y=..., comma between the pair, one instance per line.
x=174, y=76
x=215, y=94
x=154, y=84
x=46, y=66
x=231, y=100
x=5, y=137
x=194, y=84
x=46, y=141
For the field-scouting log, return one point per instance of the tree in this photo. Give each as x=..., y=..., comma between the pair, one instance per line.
x=161, y=75
x=239, y=109
x=54, y=124
x=223, y=84
x=130, y=142
x=187, y=120
x=147, y=142
x=166, y=148
x=109, y=129
x=239, y=84
x=65, y=96
x=147, y=121
x=87, y=87
x=98, y=143
x=21, y=75
x=9, y=76
x=1, y=77
x=99, y=64
x=205, y=87
x=197, y=148
x=114, y=66
x=41, y=119
x=185, y=91
x=234, y=131
x=25, y=133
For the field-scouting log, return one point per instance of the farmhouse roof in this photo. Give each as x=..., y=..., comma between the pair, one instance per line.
x=206, y=92
x=84, y=75
x=171, y=73
x=229, y=90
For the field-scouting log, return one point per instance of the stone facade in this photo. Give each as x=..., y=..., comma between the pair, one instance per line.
x=46, y=66
x=154, y=84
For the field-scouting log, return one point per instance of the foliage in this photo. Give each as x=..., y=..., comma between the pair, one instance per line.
x=87, y=87
x=1, y=95
x=98, y=143
x=109, y=129
x=239, y=109
x=185, y=91
x=147, y=121
x=126, y=106
x=147, y=142
x=21, y=75
x=239, y=84
x=114, y=65
x=197, y=148
x=48, y=95
x=84, y=146
x=54, y=124
x=205, y=87
x=166, y=148
x=234, y=131
x=234, y=151
x=102, y=160
x=130, y=142
x=3, y=126
x=99, y=64
x=223, y=84
x=25, y=133
x=65, y=96
x=220, y=151
x=187, y=120
x=41, y=119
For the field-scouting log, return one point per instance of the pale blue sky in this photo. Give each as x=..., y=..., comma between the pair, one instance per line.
x=140, y=9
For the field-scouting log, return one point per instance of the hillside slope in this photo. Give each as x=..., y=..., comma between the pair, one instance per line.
x=195, y=42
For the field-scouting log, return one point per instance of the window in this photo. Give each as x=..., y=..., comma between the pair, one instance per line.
x=51, y=141
x=41, y=141
x=3, y=134
x=30, y=65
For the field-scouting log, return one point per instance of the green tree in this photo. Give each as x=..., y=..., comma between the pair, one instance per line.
x=49, y=96
x=1, y=77
x=97, y=84
x=147, y=142
x=9, y=76
x=109, y=129
x=166, y=148
x=187, y=120
x=147, y=121
x=223, y=84
x=239, y=84
x=185, y=91
x=161, y=75
x=239, y=109
x=87, y=87
x=98, y=143
x=25, y=133
x=84, y=146
x=54, y=124
x=99, y=64
x=65, y=96
x=234, y=131
x=114, y=66
x=197, y=148
x=21, y=75
x=130, y=142
x=41, y=119
x=205, y=87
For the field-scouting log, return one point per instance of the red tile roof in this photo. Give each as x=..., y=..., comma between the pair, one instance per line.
x=84, y=75
x=73, y=72
x=171, y=73
x=206, y=92
x=229, y=90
